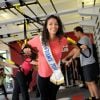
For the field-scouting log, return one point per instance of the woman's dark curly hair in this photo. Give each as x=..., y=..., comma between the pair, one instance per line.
x=45, y=33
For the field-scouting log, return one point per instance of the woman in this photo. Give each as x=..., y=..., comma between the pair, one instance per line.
x=52, y=36
x=24, y=75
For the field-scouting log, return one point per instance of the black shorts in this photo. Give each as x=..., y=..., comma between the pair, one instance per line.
x=90, y=72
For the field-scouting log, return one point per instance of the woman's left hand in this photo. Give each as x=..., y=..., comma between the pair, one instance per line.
x=83, y=47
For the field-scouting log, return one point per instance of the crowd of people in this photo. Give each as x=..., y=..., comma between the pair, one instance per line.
x=50, y=45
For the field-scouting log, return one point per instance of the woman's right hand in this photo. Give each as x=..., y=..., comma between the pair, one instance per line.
x=34, y=62
x=63, y=61
x=68, y=62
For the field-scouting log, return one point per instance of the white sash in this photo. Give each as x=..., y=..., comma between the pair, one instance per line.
x=57, y=76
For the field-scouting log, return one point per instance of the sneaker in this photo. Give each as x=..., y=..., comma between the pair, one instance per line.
x=81, y=85
x=68, y=98
x=89, y=98
x=62, y=87
x=6, y=98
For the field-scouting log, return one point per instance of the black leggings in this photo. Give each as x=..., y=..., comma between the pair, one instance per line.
x=20, y=85
x=47, y=89
x=4, y=90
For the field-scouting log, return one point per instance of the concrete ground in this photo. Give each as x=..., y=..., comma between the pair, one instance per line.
x=63, y=93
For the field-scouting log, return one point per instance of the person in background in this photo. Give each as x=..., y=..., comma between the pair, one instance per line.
x=81, y=82
x=33, y=84
x=2, y=77
x=88, y=64
x=23, y=77
x=52, y=36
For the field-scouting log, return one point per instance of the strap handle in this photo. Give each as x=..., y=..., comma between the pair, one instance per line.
x=78, y=44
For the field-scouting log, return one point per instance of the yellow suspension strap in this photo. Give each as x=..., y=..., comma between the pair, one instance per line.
x=26, y=27
x=25, y=36
x=71, y=41
x=19, y=43
x=78, y=45
x=33, y=50
x=26, y=24
x=18, y=8
x=18, y=40
x=9, y=61
x=25, y=31
x=9, y=46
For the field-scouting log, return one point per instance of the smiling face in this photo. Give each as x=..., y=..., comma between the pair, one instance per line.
x=52, y=26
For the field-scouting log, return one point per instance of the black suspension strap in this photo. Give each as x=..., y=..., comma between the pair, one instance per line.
x=78, y=45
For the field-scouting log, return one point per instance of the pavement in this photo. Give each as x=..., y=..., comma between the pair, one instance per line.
x=63, y=94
